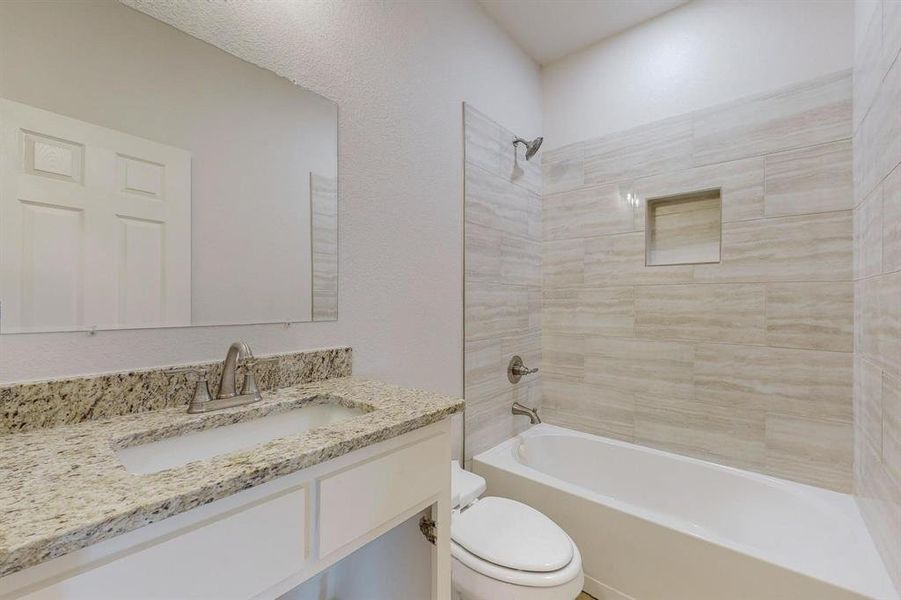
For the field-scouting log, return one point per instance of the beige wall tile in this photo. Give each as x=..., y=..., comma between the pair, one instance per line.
x=526, y=345
x=520, y=261
x=814, y=451
x=488, y=204
x=597, y=210
x=811, y=113
x=869, y=416
x=483, y=358
x=726, y=434
x=483, y=253
x=493, y=256
x=620, y=259
x=891, y=413
x=802, y=383
x=656, y=148
x=503, y=254
x=487, y=359
x=879, y=497
x=878, y=137
x=707, y=312
x=858, y=316
x=496, y=310
x=696, y=375
x=817, y=316
x=740, y=183
x=562, y=169
x=868, y=227
x=525, y=174
x=880, y=301
x=493, y=202
x=489, y=395
x=563, y=263
x=800, y=248
x=490, y=422
x=810, y=180
x=640, y=366
x=481, y=140
x=891, y=222
x=489, y=146
x=589, y=311
x=563, y=357
x=600, y=411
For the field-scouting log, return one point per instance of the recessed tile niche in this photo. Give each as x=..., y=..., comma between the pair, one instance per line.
x=684, y=229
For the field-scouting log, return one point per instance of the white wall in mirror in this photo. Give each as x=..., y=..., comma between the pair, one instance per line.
x=255, y=143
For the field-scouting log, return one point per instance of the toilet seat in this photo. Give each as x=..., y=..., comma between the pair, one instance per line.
x=519, y=578
x=512, y=535
x=511, y=542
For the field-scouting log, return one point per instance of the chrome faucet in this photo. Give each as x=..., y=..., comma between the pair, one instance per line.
x=532, y=413
x=227, y=396
x=227, y=384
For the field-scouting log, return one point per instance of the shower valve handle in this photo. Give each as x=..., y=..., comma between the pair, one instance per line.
x=516, y=369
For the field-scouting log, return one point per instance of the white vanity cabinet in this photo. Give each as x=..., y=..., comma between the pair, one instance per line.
x=264, y=541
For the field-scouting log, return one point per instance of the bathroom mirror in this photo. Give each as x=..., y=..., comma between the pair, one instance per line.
x=149, y=179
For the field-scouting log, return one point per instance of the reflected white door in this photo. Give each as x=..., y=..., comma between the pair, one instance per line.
x=95, y=226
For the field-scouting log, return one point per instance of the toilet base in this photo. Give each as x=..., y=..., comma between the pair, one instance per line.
x=471, y=585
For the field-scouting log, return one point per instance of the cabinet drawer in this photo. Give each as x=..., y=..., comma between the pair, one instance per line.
x=234, y=556
x=359, y=499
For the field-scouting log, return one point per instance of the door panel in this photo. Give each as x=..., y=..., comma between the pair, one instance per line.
x=127, y=200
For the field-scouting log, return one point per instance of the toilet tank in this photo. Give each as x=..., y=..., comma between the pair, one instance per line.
x=465, y=486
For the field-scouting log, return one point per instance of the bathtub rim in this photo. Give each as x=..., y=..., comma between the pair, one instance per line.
x=504, y=456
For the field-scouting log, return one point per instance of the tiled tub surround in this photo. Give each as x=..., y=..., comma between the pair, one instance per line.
x=29, y=406
x=747, y=362
x=502, y=281
x=64, y=488
x=877, y=263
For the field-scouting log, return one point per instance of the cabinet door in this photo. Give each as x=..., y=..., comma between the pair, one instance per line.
x=234, y=556
x=355, y=501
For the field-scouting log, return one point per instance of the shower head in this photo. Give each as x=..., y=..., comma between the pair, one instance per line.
x=531, y=147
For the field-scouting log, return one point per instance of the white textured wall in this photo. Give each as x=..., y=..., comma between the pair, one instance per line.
x=701, y=54
x=399, y=73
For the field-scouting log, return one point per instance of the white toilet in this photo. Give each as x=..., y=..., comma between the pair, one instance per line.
x=505, y=550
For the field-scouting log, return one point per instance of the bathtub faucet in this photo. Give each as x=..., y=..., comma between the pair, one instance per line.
x=532, y=413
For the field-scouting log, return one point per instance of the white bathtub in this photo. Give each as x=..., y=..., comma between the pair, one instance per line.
x=653, y=525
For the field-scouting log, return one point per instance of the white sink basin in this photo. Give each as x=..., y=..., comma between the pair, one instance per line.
x=180, y=450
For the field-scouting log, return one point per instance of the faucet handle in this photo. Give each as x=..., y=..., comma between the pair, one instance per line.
x=516, y=370
x=201, y=388
x=250, y=378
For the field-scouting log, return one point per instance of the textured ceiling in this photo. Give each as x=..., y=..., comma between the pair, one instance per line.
x=550, y=29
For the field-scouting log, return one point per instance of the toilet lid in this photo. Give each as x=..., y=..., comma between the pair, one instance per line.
x=512, y=535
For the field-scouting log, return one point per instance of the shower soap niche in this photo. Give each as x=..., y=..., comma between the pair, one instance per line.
x=685, y=229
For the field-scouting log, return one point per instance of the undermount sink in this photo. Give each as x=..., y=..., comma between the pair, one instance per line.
x=180, y=450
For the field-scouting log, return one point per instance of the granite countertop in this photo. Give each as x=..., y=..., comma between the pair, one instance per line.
x=63, y=488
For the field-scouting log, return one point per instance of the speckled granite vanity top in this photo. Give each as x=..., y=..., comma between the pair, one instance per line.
x=64, y=488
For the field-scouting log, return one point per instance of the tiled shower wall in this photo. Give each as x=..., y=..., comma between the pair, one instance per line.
x=502, y=210
x=877, y=262
x=747, y=362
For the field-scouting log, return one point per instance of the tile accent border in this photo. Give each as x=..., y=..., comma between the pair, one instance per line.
x=36, y=405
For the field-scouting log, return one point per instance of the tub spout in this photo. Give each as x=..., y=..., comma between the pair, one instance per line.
x=532, y=413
